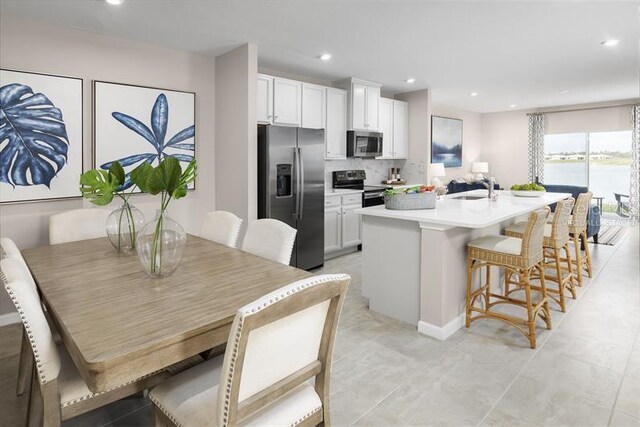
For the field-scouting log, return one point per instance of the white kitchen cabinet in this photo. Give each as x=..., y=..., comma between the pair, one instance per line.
x=364, y=98
x=342, y=226
x=287, y=102
x=386, y=127
x=264, y=96
x=394, y=125
x=336, y=124
x=400, y=129
x=332, y=223
x=314, y=106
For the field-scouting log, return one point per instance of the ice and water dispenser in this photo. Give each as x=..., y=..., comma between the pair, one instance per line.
x=283, y=186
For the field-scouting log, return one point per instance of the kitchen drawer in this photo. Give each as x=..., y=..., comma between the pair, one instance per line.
x=331, y=201
x=351, y=199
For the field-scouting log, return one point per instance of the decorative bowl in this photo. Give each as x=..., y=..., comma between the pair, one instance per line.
x=519, y=193
x=410, y=201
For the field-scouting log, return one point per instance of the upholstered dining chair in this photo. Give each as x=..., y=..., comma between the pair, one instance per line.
x=222, y=227
x=77, y=224
x=276, y=345
x=271, y=239
x=57, y=392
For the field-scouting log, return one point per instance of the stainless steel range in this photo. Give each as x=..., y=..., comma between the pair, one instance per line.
x=372, y=195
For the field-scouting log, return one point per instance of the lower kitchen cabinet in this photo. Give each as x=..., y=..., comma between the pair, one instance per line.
x=342, y=226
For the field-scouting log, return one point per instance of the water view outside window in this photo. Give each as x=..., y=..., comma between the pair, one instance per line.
x=598, y=160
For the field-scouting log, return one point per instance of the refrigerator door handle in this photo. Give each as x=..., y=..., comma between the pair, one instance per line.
x=301, y=182
x=296, y=165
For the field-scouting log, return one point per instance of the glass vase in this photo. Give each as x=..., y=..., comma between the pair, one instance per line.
x=160, y=245
x=123, y=225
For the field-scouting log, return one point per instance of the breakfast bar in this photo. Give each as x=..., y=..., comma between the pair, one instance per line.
x=414, y=261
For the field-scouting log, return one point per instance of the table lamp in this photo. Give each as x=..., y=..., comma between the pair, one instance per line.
x=437, y=170
x=479, y=168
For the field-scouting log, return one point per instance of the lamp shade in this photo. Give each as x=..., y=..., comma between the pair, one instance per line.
x=480, y=167
x=437, y=169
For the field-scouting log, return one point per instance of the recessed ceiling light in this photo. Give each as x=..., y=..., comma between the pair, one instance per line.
x=325, y=56
x=411, y=80
x=473, y=94
x=564, y=91
x=115, y=2
x=512, y=106
x=610, y=43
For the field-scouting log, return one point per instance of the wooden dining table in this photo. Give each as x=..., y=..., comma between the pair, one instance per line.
x=119, y=324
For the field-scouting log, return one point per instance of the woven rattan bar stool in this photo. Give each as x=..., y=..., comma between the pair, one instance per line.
x=578, y=232
x=555, y=240
x=519, y=256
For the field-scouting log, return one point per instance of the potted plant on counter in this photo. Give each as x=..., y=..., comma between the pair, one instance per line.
x=161, y=242
x=99, y=187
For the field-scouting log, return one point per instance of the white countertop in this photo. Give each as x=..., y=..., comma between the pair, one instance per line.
x=479, y=213
x=340, y=191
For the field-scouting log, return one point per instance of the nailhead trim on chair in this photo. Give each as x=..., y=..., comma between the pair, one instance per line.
x=236, y=341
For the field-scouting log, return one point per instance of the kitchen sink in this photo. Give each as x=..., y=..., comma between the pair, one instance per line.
x=469, y=197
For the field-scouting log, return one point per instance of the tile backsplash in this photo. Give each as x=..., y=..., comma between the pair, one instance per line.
x=377, y=170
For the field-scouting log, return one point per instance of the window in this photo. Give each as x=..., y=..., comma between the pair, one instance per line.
x=598, y=160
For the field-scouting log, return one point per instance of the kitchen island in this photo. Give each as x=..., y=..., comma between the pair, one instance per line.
x=414, y=261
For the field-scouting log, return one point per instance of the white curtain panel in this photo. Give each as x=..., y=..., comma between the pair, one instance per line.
x=634, y=190
x=536, y=147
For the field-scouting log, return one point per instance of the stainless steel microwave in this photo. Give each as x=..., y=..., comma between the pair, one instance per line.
x=364, y=144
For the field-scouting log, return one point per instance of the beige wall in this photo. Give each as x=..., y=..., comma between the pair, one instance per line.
x=419, y=123
x=236, y=131
x=32, y=46
x=471, y=138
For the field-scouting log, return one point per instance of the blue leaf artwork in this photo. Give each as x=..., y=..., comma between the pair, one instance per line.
x=155, y=135
x=37, y=142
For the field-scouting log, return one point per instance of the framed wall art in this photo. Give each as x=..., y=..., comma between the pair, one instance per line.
x=446, y=141
x=135, y=124
x=40, y=136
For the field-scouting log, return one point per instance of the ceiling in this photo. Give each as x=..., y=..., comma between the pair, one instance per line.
x=509, y=52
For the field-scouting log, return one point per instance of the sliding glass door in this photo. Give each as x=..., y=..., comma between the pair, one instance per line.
x=598, y=160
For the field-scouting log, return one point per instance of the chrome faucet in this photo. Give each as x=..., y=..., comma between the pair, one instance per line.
x=490, y=186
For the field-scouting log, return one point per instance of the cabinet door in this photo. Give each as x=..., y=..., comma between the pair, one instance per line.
x=287, y=102
x=264, y=97
x=373, y=101
x=359, y=107
x=400, y=129
x=332, y=227
x=336, y=130
x=386, y=127
x=351, y=226
x=313, y=106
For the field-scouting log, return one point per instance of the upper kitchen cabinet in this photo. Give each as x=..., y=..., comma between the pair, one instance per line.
x=336, y=126
x=264, y=98
x=314, y=106
x=364, y=98
x=287, y=102
x=394, y=125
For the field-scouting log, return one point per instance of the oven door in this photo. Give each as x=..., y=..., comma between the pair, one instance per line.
x=372, y=199
x=364, y=144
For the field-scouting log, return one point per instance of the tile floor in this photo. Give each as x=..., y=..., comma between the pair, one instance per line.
x=586, y=371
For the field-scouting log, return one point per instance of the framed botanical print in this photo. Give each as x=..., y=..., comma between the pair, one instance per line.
x=40, y=136
x=136, y=124
x=446, y=141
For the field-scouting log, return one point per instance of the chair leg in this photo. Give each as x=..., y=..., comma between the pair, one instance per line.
x=531, y=321
x=487, y=292
x=567, y=254
x=25, y=365
x=35, y=411
x=576, y=243
x=469, y=279
x=595, y=238
x=556, y=259
x=545, y=297
x=587, y=253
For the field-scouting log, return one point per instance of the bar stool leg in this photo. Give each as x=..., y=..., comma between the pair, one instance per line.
x=545, y=297
x=567, y=253
x=587, y=254
x=576, y=243
x=531, y=321
x=487, y=291
x=469, y=279
x=556, y=258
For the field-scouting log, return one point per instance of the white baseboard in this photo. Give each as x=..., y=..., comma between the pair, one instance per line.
x=444, y=332
x=9, y=318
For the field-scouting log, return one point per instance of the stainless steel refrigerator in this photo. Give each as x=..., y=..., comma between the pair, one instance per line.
x=291, y=187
